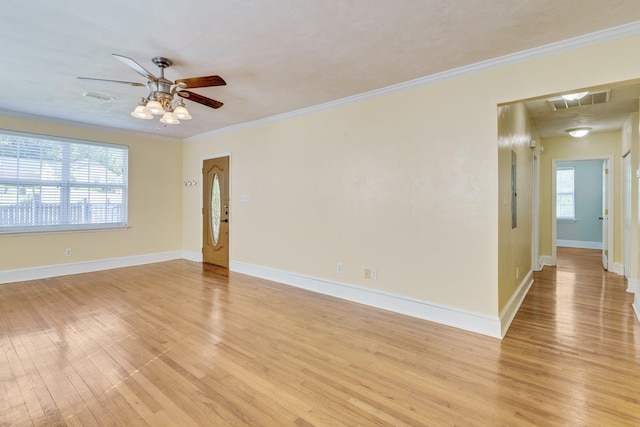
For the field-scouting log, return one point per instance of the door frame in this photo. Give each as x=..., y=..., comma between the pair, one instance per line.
x=627, y=185
x=536, y=265
x=201, y=216
x=609, y=158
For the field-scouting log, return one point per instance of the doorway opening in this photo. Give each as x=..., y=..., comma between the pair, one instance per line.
x=575, y=221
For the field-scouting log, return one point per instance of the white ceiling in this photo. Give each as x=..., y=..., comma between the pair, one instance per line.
x=277, y=56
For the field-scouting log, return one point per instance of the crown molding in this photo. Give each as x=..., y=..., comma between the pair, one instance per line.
x=590, y=39
x=80, y=125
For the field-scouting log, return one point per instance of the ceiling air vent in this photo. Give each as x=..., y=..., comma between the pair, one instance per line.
x=592, y=98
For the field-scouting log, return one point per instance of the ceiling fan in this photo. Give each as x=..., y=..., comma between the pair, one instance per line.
x=162, y=91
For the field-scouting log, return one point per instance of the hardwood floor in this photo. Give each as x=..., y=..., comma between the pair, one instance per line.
x=180, y=344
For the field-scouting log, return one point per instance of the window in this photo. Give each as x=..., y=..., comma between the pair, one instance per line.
x=565, y=194
x=50, y=184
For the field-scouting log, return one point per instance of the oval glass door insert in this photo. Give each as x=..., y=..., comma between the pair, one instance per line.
x=216, y=210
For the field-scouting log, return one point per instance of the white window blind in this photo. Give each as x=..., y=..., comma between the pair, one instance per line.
x=50, y=184
x=565, y=193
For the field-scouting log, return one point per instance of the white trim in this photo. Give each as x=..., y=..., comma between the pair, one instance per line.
x=617, y=268
x=215, y=156
x=579, y=244
x=447, y=315
x=626, y=193
x=509, y=311
x=42, y=272
x=609, y=34
x=90, y=126
x=547, y=260
x=636, y=306
x=192, y=256
x=633, y=286
x=535, y=239
x=614, y=33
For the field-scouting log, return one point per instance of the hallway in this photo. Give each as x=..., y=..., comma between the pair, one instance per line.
x=583, y=341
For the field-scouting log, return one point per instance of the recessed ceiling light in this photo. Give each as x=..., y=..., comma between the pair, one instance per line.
x=578, y=132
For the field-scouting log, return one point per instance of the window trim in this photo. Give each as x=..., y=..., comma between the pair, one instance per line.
x=571, y=218
x=13, y=230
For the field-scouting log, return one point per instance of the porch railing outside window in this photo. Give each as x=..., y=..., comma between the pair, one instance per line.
x=49, y=183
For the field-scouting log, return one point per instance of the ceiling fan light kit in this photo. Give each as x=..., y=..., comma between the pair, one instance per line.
x=141, y=112
x=168, y=119
x=154, y=107
x=160, y=100
x=181, y=112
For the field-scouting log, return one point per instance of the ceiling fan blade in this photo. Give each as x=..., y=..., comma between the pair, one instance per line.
x=113, y=81
x=136, y=67
x=191, y=96
x=205, y=81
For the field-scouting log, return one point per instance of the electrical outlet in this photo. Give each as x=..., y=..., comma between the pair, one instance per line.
x=374, y=275
x=67, y=252
x=367, y=273
x=339, y=268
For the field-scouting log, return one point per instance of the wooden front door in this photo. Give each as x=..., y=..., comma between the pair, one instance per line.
x=215, y=230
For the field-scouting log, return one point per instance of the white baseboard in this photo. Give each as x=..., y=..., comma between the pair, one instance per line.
x=546, y=260
x=192, y=256
x=636, y=306
x=509, y=311
x=42, y=272
x=446, y=315
x=617, y=268
x=579, y=244
x=632, y=286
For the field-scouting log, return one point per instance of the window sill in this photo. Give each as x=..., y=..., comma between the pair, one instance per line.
x=10, y=233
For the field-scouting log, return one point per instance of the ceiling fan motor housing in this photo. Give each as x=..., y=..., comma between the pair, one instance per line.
x=161, y=91
x=161, y=88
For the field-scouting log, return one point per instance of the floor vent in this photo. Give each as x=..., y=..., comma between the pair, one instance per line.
x=591, y=98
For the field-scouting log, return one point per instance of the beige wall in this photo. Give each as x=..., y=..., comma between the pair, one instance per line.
x=515, y=131
x=405, y=183
x=155, y=215
x=591, y=146
x=366, y=185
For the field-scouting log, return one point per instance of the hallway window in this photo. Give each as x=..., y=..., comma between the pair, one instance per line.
x=565, y=194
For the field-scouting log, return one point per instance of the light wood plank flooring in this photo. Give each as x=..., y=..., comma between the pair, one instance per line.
x=180, y=344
